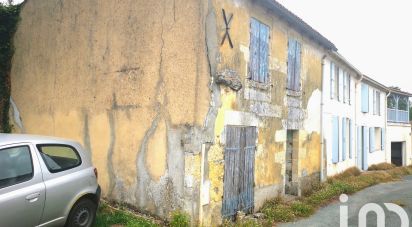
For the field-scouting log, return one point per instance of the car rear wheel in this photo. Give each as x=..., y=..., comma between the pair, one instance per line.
x=82, y=214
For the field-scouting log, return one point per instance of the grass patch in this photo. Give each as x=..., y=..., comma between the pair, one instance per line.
x=179, y=219
x=107, y=217
x=245, y=223
x=399, y=203
x=348, y=182
x=381, y=166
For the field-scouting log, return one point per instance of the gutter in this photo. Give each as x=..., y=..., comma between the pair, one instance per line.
x=322, y=146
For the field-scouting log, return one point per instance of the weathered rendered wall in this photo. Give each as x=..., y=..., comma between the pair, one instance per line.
x=267, y=109
x=128, y=79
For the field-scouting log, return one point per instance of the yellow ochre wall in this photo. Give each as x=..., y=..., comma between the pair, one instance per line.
x=127, y=79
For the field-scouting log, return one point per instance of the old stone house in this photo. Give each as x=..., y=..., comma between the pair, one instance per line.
x=208, y=106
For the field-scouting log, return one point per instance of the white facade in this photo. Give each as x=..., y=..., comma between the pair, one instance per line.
x=399, y=133
x=339, y=103
x=372, y=120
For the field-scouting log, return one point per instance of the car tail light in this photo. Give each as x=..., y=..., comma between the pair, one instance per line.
x=96, y=173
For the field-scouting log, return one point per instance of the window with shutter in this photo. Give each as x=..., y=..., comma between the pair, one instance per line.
x=343, y=139
x=336, y=83
x=294, y=65
x=335, y=139
x=383, y=139
x=344, y=87
x=340, y=95
x=332, y=80
x=349, y=89
x=350, y=138
x=371, y=139
x=365, y=148
x=259, y=51
x=365, y=98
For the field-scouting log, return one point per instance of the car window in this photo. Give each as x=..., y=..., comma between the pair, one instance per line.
x=59, y=157
x=16, y=166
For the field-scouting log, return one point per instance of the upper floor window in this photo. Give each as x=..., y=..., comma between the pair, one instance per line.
x=377, y=103
x=259, y=51
x=365, y=98
x=334, y=81
x=294, y=65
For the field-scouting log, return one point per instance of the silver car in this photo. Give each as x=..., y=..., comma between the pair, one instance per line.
x=46, y=181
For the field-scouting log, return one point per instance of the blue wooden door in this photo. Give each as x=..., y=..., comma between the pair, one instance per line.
x=238, y=190
x=365, y=142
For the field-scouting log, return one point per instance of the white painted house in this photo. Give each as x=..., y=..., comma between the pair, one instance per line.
x=398, y=139
x=370, y=122
x=338, y=114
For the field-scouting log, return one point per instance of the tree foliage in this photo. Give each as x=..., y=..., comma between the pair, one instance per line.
x=9, y=17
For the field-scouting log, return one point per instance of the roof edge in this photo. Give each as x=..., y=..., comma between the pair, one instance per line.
x=300, y=25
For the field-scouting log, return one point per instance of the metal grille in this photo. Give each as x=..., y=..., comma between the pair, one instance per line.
x=238, y=194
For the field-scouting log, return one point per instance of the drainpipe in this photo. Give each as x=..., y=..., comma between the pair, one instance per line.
x=322, y=148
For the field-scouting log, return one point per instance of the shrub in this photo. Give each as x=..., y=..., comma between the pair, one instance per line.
x=9, y=17
x=381, y=166
x=179, y=219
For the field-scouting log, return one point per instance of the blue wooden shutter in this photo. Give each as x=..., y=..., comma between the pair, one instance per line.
x=345, y=86
x=382, y=139
x=372, y=139
x=263, y=52
x=343, y=139
x=365, y=98
x=350, y=138
x=335, y=139
x=254, y=50
x=298, y=52
x=349, y=90
x=359, y=147
x=340, y=88
x=365, y=148
x=332, y=80
x=291, y=62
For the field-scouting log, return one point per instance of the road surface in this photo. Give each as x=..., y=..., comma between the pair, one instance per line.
x=382, y=193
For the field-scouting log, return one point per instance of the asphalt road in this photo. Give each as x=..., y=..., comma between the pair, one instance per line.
x=382, y=193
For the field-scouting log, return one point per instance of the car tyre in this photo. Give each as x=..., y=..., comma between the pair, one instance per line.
x=82, y=214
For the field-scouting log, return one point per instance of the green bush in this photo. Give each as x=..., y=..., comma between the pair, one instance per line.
x=179, y=219
x=9, y=17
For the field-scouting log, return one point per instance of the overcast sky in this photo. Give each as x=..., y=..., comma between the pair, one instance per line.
x=374, y=35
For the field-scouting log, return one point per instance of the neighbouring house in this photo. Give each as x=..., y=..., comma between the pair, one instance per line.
x=338, y=114
x=210, y=106
x=370, y=122
x=398, y=139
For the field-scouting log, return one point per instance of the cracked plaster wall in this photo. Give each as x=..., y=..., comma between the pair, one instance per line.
x=128, y=79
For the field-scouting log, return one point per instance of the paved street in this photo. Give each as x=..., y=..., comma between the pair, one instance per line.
x=382, y=193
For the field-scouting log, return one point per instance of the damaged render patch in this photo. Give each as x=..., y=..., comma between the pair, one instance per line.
x=229, y=78
x=16, y=115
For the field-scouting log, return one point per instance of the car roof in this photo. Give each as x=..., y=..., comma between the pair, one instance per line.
x=6, y=139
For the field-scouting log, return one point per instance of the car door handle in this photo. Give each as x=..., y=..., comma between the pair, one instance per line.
x=33, y=197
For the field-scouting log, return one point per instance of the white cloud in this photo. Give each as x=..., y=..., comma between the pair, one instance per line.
x=375, y=36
